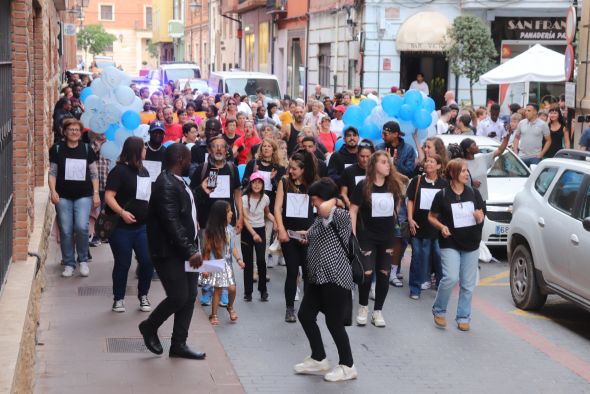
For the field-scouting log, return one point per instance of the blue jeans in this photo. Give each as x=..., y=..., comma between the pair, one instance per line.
x=531, y=160
x=73, y=217
x=458, y=266
x=122, y=242
x=423, y=252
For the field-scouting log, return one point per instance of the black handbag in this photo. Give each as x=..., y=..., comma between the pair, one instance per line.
x=354, y=254
x=105, y=224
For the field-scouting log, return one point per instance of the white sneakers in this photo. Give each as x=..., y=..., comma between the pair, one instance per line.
x=363, y=315
x=425, y=285
x=84, y=270
x=309, y=365
x=68, y=271
x=341, y=373
x=377, y=319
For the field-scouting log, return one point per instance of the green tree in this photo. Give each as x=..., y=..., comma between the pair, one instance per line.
x=153, y=50
x=94, y=39
x=471, y=50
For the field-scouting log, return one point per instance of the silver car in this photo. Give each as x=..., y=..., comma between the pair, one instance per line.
x=549, y=236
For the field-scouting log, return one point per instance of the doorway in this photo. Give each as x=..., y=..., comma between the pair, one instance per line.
x=435, y=68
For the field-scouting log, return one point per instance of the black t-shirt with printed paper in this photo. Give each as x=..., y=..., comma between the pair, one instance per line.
x=73, y=175
x=424, y=198
x=132, y=193
x=377, y=218
x=351, y=176
x=455, y=212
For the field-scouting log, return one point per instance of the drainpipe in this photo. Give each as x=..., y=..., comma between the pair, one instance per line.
x=306, y=52
x=337, y=30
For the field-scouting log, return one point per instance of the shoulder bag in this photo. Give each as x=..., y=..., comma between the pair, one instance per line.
x=353, y=252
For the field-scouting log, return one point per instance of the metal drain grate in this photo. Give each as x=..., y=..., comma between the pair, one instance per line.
x=132, y=345
x=86, y=291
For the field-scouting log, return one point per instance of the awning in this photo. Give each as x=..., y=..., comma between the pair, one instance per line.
x=423, y=32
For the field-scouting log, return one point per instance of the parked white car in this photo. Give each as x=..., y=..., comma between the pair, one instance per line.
x=549, y=238
x=505, y=179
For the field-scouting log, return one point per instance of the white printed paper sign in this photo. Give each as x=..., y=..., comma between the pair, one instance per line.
x=297, y=205
x=144, y=188
x=358, y=179
x=267, y=180
x=382, y=205
x=463, y=214
x=207, y=266
x=222, y=190
x=75, y=170
x=154, y=168
x=426, y=198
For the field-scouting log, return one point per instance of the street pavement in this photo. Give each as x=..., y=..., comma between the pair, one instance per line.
x=507, y=350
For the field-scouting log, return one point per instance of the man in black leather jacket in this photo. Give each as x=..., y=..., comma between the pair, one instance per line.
x=172, y=239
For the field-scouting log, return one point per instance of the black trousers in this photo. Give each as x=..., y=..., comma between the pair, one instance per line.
x=181, y=293
x=295, y=254
x=248, y=248
x=330, y=299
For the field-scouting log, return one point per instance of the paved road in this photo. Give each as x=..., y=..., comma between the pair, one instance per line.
x=507, y=350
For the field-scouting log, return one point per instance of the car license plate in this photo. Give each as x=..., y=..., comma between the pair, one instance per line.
x=502, y=230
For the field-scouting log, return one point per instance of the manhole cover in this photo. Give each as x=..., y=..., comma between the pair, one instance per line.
x=132, y=345
x=86, y=291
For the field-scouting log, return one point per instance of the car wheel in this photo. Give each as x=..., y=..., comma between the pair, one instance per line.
x=523, y=284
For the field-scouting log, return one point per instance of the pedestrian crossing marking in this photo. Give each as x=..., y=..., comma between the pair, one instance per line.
x=520, y=312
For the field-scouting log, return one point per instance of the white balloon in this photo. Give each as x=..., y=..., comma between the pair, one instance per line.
x=94, y=103
x=124, y=95
x=112, y=76
x=100, y=88
x=121, y=135
x=432, y=127
x=98, y=124
x=86, y=117
x=137, y=104
x=112, y=112
x=110, y=150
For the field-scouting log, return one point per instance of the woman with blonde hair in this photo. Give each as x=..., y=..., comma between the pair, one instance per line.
x=374, y=208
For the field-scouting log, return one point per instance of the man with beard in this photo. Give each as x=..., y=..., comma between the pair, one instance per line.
x=173, y=131
x=172, y=236
x=346, y=156
x=403, y=155
x=291, y=131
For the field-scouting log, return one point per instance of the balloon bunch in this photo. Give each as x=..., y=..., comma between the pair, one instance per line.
x=414, y=111
x=112, y=108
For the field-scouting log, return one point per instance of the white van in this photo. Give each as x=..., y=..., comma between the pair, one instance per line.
x=244, y=83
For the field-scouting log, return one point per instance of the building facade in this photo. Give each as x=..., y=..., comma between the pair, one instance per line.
x=196, y=34
x=162, y=14
x=131, y=21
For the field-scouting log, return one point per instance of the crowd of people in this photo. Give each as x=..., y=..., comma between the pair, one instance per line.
x=180, y=203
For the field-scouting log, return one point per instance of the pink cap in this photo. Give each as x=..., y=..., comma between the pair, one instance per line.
x=340, y=108
x=256, y=175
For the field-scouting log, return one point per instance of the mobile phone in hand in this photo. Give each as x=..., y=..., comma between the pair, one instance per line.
x=212, y=179
x=295, y=235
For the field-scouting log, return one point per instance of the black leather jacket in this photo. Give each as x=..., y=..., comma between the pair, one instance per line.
x=170, y=228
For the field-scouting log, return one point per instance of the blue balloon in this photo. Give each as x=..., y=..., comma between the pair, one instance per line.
x=130, y=120
x=413, y=98
x=85, y=93
x=339, y=143
x=422, y=119
x=370, y=131
x=354, y=116
x=241, y=170
x=111, y=131
x=167, y=144
x=391, y=104
x=428, y=104
x=406, y=112
x=367, y=106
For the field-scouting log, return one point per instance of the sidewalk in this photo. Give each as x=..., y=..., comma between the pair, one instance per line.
x=84, y=347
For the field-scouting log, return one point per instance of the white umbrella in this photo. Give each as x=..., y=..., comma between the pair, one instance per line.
x=537, y=64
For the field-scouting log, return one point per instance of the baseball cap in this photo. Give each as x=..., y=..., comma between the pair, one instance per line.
x=393, y=127
x=256, y=175
x=340, y=108
x=157, y=125
x=350, y=128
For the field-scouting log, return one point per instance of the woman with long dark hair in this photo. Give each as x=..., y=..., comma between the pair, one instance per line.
x=560, y=136
x=374, y=208
x=61, y=111
x=127, y=193
x=293, y=211
x=457, y=213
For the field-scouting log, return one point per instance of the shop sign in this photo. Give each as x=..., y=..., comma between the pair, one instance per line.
x=535, y=29
x=386, y=64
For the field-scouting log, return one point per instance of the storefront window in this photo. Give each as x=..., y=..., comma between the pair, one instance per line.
x=263, y=47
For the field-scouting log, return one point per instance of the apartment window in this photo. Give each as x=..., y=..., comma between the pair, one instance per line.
x=249, y=44
x=107, y=12
x=263, y=47
x=324, y=64
x=148, y=18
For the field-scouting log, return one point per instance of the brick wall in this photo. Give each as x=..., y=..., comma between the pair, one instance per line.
x=36, y=76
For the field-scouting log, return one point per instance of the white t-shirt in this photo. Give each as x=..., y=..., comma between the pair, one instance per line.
x=488, y=126
x=423, y=87
x=441, y=127
x=336, y=126
x=256, y=211
x=478, y=169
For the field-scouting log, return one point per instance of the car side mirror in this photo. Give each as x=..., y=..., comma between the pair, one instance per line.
x=586, y=223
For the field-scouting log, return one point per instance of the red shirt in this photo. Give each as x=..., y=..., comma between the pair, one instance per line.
x=328, y=140
x=173, y=132
x=247, y=143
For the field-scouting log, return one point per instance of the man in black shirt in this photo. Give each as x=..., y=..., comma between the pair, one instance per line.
x=346, y=156
x=154, y=155
x=291, y=131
